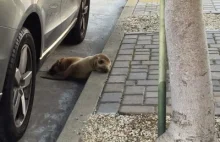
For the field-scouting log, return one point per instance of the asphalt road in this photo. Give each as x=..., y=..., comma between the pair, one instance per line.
x=54, y=100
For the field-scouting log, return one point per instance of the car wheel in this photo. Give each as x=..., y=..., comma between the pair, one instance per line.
x=78, y=33
x=19, y=87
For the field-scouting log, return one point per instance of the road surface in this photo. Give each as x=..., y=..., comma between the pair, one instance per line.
x=54, y=100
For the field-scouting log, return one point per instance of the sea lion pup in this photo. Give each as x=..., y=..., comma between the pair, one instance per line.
x=80, y=68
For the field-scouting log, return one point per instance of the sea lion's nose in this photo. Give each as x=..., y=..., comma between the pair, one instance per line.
x=105, y=70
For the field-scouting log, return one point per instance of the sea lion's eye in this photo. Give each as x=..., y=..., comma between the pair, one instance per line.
x=101, y=62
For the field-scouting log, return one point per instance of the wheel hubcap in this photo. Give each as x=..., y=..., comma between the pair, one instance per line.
x=22, y=86
x=85, y=9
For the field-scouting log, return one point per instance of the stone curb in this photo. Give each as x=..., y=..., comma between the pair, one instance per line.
x=89, y=97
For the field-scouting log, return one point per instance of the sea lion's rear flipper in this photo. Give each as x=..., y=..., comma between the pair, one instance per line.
x=45, y=75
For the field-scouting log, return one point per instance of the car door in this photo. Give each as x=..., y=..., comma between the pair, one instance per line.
x=51, y=21
x=69, y=10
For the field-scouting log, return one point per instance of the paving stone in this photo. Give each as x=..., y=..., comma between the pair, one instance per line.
x=132, y=100
x=156, y=36
x=127, y=46
x=121, y=64
x=119, y=71
x=137, y=76
x=134, y=90
x=215, y=82
x=215, y=67
x=214, y=52
x=124, y=58
x=142, y=50
x=217, y=41
x=139, y=46
x=138, y=70
x=139, y=66
x=111, y=108
x=209, y=35
x=130, y=82
x=129, y=41
x=147, y=82
x=151, y=101
x=152, y=88
x=217, y=99
x=151, y=94
x=217, y=89
x=137, y=109
x=155, y=42
x=214, y=45
x=131, y=36
x=212, y=62
x=114, y=88
x=142, y=53
x=144, y=37
x=217, y=38
x=214, y=57
x=213, y=49
x=117, y=79
x=135, y=62
x=154, y=72
x=217, y=35
x=155, y=54
x=141, y=57
x=217, y=111
x=217, y=104
x=216, y=94
x=152, y=77
x=215, y=75
x=150, y=62
x=210, y=40
x=154, y=58
x=144, y=42
x=111, y=97
x=155, y=50
x=154, y=67
x=217, y=62
x=126, y=52
x=151, y=46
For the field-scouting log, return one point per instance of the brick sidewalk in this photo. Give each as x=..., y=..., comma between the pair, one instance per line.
x=132, y=84
x=212, y=6
x=144, y=7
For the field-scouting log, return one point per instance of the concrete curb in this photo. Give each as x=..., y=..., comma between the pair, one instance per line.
x=87, y=101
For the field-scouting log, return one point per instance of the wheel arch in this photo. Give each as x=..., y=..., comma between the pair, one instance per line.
x=33, y=24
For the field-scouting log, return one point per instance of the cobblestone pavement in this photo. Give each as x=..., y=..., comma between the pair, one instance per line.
x=144, y=7
x=132, y=84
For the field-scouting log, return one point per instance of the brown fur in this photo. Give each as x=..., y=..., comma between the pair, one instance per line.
x=80, y=68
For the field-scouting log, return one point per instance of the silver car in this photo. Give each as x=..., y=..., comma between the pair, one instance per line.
x=29, y=31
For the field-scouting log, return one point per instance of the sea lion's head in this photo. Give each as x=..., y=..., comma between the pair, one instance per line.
x=102, y=63
x=57, y=67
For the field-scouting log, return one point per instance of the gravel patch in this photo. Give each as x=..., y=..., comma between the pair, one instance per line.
x=141, y=23
x=150, y=23
x=124, y=128
x=212, y=21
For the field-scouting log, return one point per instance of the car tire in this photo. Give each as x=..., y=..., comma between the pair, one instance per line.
x=19, y=87
x=78, y=33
